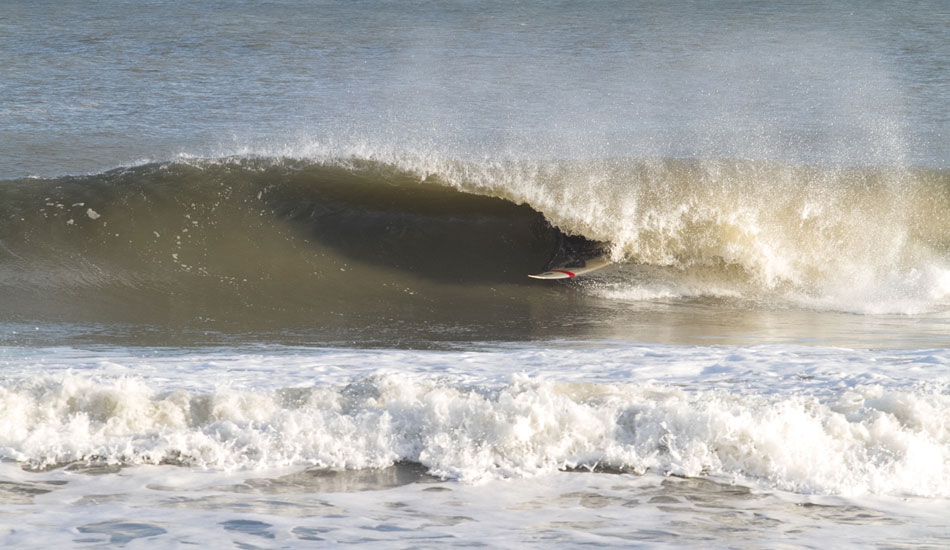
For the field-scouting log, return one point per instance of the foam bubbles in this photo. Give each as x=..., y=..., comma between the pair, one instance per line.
x=735, y=414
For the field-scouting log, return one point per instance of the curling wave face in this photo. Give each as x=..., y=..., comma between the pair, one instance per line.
x=338, y=241
x=278, y=241
x=869, y=240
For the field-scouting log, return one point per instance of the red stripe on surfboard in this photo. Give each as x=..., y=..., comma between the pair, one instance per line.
x=568, y=273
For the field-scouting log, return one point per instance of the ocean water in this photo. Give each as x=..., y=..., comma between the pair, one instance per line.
x=263, y=274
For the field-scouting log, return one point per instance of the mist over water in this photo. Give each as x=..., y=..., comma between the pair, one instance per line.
x=812, y=83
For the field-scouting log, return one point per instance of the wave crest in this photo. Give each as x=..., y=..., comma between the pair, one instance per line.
x=270, y=236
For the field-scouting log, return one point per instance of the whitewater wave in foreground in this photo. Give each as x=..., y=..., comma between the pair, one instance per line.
x=796, y=419
x=276, y=237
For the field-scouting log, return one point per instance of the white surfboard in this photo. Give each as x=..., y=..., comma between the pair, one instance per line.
x=572, y=271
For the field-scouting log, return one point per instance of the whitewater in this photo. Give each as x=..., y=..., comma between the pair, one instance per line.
x=288, y=444
x=264, y=275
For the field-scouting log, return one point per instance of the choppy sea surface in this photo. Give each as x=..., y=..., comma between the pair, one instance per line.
x=263, y=274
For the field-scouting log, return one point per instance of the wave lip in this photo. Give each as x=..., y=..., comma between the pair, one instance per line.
x=864, y=240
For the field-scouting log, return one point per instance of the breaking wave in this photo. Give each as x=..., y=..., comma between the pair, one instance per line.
x=870, y=439
x=316, y=240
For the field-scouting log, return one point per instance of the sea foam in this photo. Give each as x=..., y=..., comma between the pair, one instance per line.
x=778, y=418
